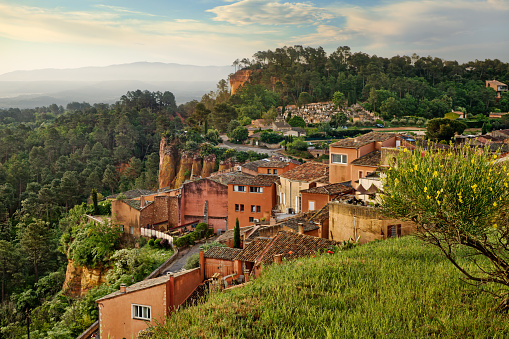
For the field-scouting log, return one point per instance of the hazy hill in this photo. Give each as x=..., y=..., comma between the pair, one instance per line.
x=26, y=89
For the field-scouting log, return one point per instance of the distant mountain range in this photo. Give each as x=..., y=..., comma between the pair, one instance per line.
x=28, y=89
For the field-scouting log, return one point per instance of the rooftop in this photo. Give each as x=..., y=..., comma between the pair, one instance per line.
x=363, y=140
x=225, y=253
x=309, y=171
x=136, y=204
x=331, y=189
x=257, y=180
x=372, y=159
x=132, y=194
x=227, y=178
x=253, y=249
x=298, y=244
x=293, y=223
x=138, y=286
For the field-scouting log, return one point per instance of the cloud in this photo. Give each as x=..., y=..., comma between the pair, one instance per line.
x=246, y=12
x=123, y=10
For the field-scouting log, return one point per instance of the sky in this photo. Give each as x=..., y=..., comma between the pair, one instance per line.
x=37, y=34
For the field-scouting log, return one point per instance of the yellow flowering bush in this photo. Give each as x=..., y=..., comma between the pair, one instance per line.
x=457, y=197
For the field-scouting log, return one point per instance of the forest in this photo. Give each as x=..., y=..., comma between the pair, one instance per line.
x=51, y=158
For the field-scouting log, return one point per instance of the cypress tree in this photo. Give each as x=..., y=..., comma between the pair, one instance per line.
x=94, y=200
x=236, y=235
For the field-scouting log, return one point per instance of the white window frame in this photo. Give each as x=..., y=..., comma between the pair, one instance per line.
x=239, y=188
x=253, y=189
x=134, y=307
x=343, y=158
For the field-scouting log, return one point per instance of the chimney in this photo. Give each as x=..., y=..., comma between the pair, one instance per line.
x=123, y=288
x=277, y=258
x=301, y=228
x=142, y=201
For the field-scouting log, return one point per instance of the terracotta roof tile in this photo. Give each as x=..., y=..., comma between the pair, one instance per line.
x=308, y=172
x=228, y=235
x=299, y=244
x=227, y=178
x=293, y=223
x=273, y=163
x=132, y=194
x=363, y=140
x=138, y=286
x=372, y=159
x=258, y=180
x=136, y=204
x=225, y=253
x=253, y=249
x=331, y=189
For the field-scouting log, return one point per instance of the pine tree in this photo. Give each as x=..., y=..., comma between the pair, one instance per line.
x=94, y=200
x=236, y=235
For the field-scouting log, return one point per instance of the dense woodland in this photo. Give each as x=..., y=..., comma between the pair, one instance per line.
x=51, y=158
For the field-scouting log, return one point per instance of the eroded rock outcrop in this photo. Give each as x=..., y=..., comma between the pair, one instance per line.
x=79, y=280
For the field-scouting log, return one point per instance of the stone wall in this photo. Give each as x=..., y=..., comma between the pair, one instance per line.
x=346, y=222
x=79, y=280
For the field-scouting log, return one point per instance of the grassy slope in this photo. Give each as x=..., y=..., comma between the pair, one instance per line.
x=398, y=288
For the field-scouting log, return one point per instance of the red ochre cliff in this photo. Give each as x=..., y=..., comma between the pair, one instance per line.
x=176, y=167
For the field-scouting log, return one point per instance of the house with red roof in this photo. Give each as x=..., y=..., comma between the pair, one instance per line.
x=291, y=183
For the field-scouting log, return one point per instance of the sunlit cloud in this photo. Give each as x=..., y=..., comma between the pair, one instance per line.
x=263, y=12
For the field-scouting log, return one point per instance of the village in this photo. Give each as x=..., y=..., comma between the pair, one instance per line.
x=284, y=209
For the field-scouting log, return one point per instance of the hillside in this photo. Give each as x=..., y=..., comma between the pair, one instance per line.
x=398, y=288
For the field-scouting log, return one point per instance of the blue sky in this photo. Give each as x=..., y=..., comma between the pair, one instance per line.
x=67, y=34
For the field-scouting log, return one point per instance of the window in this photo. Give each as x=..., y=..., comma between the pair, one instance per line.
x=339, y=159
x=122, y=228
x=393, y=231
x=242, y=207
x=236, y=207
x=268, y=171
x=258, y=209
x=275, y=171
x=251, y=219
x=141, y=312
x=360, y=174
x=253, y=208
x=255, y=189
x=238, y=188
x=131, y=230
x=311, y=205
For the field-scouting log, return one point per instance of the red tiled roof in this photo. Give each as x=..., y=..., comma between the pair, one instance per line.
x=363, y=140
x=293, y=223
x=257, y=180
x=331, y=189
x=225, y=253
x=372, y=159
x=299, y=245
x=309, y=171
x=253, y=249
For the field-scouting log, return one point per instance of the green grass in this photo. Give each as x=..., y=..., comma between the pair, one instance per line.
x=399, y=288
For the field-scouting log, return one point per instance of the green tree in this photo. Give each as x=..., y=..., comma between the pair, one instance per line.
x=458, y=198
x=339, y=100
x=391, y=108
x=304, y=99
x=110, y=178
x=6, y=262
x=239, y=134
x=35, y=242
x=296, y=121
x=443, y=129
x=236, y=234
x=222, y=115
x=338, y=120
x=94, y=201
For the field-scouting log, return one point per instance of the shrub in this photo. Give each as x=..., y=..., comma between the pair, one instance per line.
x=157, y=242
x=151, y=242
x=164, y=243
x=193, y=261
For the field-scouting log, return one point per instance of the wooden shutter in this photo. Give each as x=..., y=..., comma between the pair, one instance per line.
x=389, y=231
x=399, y=230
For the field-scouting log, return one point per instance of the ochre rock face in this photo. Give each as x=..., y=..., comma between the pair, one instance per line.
x=209, y=162
x=184, y=173
x=196, y=167
x=168, y=163
x=238, y=79
x=79, y=280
